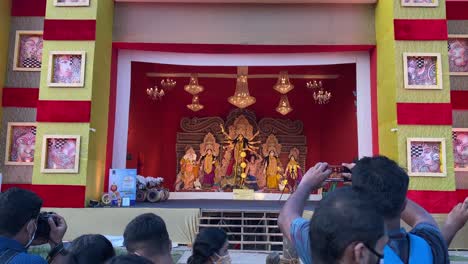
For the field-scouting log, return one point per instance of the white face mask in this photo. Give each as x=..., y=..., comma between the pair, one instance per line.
x=32, y=236
x=226, y=259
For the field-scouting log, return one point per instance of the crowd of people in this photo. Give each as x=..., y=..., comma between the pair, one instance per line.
x=354, y=224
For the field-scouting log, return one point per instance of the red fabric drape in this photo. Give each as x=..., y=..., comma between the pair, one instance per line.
x=420, y=29
x=28, y=7
x=20, y=97
x=55, y=29
x=424, y=113
x=456, y=10
x=64, y=111
x=65, y=196
x=459, y=100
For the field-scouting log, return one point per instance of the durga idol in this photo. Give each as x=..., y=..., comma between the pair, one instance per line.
x=240, y=141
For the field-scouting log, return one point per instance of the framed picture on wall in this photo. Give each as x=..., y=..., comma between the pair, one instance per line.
x=28, y=51
x=71, y=2
x=66, y=69
x=426, y=157
x=458, y=54
x=422, y=70
x=20, y=143
x=60, y=154
x=460, y=148
x=420, y=3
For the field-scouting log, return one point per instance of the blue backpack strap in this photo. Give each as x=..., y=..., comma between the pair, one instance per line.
x=8, y=255
x=390, y=256
x=420, y=251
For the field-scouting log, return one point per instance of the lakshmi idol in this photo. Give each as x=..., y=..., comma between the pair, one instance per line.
x=272, y=164
x=209, y=151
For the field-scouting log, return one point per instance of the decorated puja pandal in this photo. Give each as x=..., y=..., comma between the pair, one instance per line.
x=206, y=101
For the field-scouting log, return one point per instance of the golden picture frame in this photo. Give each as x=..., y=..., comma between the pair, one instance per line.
x=65, y=3
x=66, y=69
x=426, y=157
x=412, y=3
x=458, y=54
x=27, y=55
x=20, y=143
x=60, y=154
x=460, y=143
x=422, y=71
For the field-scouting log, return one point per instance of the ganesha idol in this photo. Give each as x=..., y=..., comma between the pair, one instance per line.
x=188, y=173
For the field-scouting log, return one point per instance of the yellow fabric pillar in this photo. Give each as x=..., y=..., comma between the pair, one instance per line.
x=386, y=84
x=96, y=89
x=5, y=9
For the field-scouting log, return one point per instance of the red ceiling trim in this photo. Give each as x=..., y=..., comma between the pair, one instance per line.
x=28, y=8
x=459, y=100
x=63, y=196
x=64, y=111
x=58, y=29
x=434, y=113
x=457, y=10
x=238, y=49
x=20, y=97
x=420, y=29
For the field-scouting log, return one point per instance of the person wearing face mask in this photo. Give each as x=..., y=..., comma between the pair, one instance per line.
x=210, y=247
x=19, y=212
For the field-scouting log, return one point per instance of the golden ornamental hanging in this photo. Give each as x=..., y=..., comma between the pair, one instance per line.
x=241, y=97
x=193, y=87
x=195, y=105
x=283, y=85
x=284, y=107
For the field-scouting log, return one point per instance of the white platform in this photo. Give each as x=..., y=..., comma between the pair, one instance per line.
x=230, y=196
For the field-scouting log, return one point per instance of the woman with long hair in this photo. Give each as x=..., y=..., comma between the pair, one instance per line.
x=210, y=247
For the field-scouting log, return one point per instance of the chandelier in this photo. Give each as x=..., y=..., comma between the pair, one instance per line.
x=321, y=96
x=155, y=93
x=193, y=87
x=168, y=84
x=284, y=107
x=241, y=97
x=195, y=105
x=283, y=85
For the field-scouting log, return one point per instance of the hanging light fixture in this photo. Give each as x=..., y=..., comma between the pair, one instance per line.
x=195, y=105
x=193, y=87
x=283, y=85
x=155, y=93
x=284, y=107
x=321, y=96
x=168, y=84
x=241, y=97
